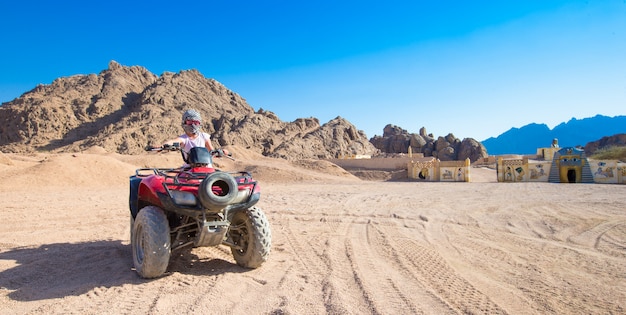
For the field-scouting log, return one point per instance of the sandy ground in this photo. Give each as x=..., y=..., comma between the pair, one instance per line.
x=340, y=245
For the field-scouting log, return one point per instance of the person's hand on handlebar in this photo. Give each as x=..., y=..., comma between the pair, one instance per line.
x=171, y=147
x=164, y=147
x=222, y=153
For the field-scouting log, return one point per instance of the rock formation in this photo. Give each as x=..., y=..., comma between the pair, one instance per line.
x=618, y=140
x=448, y=148
x=123, y=109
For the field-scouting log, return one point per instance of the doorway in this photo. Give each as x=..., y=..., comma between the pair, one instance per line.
x=571, y=176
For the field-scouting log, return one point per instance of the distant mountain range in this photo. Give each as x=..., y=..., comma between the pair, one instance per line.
x=576, y=132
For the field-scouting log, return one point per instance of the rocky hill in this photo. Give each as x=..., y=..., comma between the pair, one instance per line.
x=618, y=140
x=448, y=148
x=123, y=109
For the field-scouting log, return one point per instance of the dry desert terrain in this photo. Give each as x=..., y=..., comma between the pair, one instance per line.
x=340, y=244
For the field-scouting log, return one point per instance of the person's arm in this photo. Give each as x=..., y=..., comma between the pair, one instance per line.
x=209, y=145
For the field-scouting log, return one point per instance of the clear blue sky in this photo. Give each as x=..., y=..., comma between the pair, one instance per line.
x=472, y=68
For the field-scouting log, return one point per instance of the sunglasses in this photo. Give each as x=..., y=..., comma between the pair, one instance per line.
x=192, y=122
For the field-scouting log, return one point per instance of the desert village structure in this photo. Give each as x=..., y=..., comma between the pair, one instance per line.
x=560, y=165
x=552, y=164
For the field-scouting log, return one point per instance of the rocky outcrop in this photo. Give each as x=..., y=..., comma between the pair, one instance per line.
x=71, y=109
x=448, y=148
x=605, y=142
x=123, y=109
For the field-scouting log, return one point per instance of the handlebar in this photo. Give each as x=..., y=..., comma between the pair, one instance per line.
x=165, y=147
x=220, y=153
x=176, y=147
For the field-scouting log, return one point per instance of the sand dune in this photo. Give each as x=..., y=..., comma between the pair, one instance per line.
x=341, y=245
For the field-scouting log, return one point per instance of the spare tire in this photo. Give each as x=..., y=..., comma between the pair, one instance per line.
x=217, y=191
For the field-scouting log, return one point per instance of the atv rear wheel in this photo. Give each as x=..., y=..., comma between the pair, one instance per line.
x=251, y=234
x=150, y=242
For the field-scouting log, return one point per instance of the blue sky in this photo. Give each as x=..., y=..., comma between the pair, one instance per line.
x=471, y=68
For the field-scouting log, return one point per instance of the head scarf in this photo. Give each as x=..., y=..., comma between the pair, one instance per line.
x=191, y=114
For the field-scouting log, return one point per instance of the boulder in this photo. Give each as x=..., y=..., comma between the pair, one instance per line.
x=448, y=148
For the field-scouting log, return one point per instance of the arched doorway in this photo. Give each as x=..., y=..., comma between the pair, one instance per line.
x=423, y=174
x=571, y=176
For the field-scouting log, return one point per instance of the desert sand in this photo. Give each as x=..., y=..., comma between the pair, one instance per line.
x=340, y=244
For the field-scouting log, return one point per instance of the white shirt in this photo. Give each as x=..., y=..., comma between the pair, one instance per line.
x=199, y=141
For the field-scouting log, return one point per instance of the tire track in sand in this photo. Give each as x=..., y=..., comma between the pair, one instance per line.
x=428, y=268
x=312, y=247
x=607, y=237
x=382, y=281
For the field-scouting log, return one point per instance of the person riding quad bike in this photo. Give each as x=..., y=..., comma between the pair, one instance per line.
x=195, y=206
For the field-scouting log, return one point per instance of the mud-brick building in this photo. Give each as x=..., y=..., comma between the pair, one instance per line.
x=560, y=165
x=570, y=165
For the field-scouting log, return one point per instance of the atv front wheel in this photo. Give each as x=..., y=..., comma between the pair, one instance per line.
x=252, y=237
x=150, y=242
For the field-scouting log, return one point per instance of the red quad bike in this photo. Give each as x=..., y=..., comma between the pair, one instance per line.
x=198, y=205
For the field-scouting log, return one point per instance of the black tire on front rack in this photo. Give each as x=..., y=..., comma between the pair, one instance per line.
x=227, y=186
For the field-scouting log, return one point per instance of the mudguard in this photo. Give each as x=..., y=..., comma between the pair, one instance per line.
x=133, y=203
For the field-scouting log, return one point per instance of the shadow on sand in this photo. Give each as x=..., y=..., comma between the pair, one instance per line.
x=71, y=269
